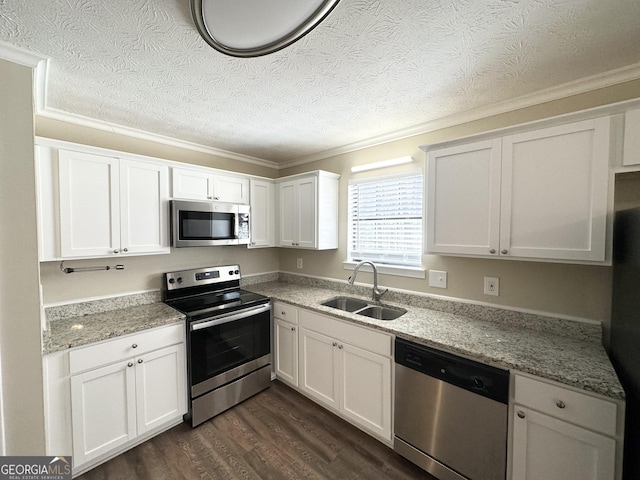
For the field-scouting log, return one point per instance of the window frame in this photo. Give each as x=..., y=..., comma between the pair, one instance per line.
x=417, y=271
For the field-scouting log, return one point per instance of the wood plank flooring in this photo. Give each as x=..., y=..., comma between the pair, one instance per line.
x=277, y=434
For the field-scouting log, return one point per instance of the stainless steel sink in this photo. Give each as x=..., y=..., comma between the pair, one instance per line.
x=347, y=304
x=382, y=313
x=362, y=307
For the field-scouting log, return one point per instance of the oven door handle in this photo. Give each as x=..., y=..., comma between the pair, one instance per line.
x=230, y=317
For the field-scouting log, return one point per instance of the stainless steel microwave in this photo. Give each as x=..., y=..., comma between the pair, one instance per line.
x=203, y=224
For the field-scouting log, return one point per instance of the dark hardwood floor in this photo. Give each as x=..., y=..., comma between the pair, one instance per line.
x=277, y=434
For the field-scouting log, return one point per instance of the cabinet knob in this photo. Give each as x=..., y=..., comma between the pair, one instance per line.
x=116, y=251
x=130, y=364
x=293, y=329
x=135, y=345
x=140, y=360
x=521, y=414
x=504, y=252
x=340, y=347
x=209, y=197
x=216, y=198
x=125, y=249
x=283, y=313
x=560, y=404
x=335, y=344
x=493, y=250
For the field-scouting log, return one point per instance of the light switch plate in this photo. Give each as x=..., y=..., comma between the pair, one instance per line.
x=437, y=278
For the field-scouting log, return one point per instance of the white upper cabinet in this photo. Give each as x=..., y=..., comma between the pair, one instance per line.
x=308, y=211
x=463, y=199
x=191, y=184
x=534, y=195
x=94, y=205
x=262, y=213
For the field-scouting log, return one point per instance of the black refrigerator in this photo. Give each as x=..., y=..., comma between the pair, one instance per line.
x=625, y=328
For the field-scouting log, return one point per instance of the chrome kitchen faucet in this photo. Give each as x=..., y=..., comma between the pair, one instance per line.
x=377, y=293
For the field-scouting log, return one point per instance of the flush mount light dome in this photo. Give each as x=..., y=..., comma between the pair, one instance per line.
x=251, y=28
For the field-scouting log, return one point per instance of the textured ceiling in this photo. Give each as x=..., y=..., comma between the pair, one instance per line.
x=372, y=68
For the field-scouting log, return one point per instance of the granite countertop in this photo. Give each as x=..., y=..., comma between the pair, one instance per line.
x=75, y=331
x=560, y=350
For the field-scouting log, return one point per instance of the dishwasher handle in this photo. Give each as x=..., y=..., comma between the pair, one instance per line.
x=476, y=377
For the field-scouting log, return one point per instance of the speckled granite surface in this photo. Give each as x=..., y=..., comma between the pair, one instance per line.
x=561, y=350
x=564, y=351
x=74, y=331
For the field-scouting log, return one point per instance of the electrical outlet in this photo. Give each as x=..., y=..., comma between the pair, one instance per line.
x=437, y=279
x=299, y=263
x=492, y=286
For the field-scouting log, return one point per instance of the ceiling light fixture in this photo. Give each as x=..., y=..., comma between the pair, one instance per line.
x=251, y=28
x=383, y=164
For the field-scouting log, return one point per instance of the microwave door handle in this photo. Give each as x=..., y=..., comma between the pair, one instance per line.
x=230, y=318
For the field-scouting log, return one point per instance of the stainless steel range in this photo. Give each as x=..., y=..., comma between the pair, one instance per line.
x=228, y=338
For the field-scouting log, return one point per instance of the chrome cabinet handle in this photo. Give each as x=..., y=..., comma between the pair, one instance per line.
x=493, y=250
x=116, y=251
x=505, y=251
x=560, y=404
x=335, y=344
x=521, y=414
x=125, y=249
x=140, y=360
x=135, y=345
x=130, y=364
x=340, y=347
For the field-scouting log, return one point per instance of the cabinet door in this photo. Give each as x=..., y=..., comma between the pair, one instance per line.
x=230, y=189
x=318, y=367
x=288, y=214
x=366, y=389
x=144, y=207
x=160, y=387
x=286, y=352
x=463, y=199
x=545, y=448
x=103, y=409
x=89, y=204
x=307, y=221
x=262, y=213
x=631, y=149
x=554, y=192
x=191, y=184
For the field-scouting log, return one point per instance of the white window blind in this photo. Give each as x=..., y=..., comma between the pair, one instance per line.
x=385, y=221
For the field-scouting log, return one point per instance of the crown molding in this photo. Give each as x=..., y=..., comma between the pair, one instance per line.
x=20, y=55
x=584, y=85
x=41, y=65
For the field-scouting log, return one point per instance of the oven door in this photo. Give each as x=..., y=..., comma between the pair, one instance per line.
x=227, y=347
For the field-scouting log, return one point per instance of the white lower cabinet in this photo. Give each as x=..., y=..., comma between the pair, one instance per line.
x=559, y=433
x=286, y=342
x=348, y=369
x=116, y=394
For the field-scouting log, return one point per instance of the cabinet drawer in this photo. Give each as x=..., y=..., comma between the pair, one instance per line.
x=590, y=412
x=362, y=337
x=284, y=311
x=123, y=347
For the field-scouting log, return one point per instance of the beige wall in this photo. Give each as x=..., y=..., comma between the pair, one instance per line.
x=569, y=290
x=145, y=272
x=46, y=127
x=20, y=344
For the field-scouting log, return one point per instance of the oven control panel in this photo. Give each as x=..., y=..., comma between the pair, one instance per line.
x=202, y=276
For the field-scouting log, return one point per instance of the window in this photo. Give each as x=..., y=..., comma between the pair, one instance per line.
x=385, y=220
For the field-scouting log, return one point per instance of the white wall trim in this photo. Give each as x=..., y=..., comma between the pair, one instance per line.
x=595, y=82
x=40, y=62
x=19, y=55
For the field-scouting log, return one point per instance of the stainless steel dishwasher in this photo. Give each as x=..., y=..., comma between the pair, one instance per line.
x=450, y=413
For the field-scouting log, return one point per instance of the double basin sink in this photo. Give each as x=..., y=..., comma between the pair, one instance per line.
x=362, y=307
